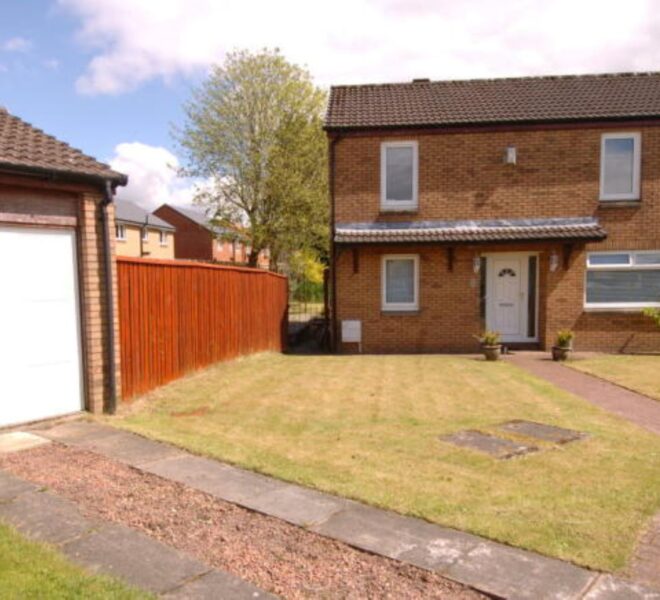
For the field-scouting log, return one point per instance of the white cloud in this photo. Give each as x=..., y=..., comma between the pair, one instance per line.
x=365, y=40
x=51, y=64
x=16, y=44
x=152, y=176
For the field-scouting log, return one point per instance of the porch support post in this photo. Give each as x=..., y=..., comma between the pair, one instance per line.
x=450, y=258
x=356, y=259
x=567, y=252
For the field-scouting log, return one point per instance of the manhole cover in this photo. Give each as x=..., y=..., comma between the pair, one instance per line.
x=490, y=444
x=540, y=431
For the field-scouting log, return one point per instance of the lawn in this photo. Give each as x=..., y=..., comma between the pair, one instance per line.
x=31, y=570
x=638, y=373
x=367, y=427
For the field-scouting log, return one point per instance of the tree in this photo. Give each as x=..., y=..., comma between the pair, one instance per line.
x=254, y=129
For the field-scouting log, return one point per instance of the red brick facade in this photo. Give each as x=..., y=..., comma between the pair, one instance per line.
x=462, y=175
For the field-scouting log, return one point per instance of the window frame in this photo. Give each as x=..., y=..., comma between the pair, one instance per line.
x=637, y=164
x=145, y=235
x=631, y=266
x=120, y=232
x=399, y=205
x=399, y=306
x=162, y=237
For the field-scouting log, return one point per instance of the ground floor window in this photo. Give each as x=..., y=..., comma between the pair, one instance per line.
x=623, y=279
x=400, y=282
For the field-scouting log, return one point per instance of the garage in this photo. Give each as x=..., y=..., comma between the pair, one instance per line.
x=40, y=348
x=58, y=326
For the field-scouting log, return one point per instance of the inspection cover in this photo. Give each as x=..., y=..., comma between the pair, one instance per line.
x=490, y=444
x=541, y=431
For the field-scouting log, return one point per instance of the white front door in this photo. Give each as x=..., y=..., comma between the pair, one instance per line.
x=40, y=355
x=507, y=296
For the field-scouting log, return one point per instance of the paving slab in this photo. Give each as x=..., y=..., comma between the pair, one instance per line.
x=77, y=432
x=223, y=481
x=46, y=517
x=217, y=585
x=134, y=557
x=608, y=587
x=20, y=440
x=11, y=486
x=298, y=505
x=398, y=537
x=512, y=573
x=489, y=444
x=542, y=431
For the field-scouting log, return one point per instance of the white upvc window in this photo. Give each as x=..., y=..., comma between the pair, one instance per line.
x=398, y=176
x=623, y=280
x=620, y=166
x=400, y=282
x=120, y=232
x=162, y=238
x=145, y=234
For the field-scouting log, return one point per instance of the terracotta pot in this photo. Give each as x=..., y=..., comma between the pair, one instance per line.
x=492, y=352
x=560, y=353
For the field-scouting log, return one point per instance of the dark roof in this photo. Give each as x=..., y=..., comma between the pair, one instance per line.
x=127, y=212
x=494, y=101
x=200, y=216
x=26, y=148
x=584, y=228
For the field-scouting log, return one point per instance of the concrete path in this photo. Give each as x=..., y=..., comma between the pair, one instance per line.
x=637, y=408
x=112, y=549
x=493, y=568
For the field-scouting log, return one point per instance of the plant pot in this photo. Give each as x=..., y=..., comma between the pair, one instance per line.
x=492, y=352
x=560, y=353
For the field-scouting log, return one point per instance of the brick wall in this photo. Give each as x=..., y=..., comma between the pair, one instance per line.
x=190, y=239
x=463, y=176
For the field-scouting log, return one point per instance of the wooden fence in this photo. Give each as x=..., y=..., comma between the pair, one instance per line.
x=177, y=316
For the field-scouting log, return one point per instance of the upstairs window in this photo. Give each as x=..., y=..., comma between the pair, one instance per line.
x=620, y=280
x=620, y=159
x=162, y=238
x=400, y=279
x=145, y=234
x=120, y=232
x=398, y=176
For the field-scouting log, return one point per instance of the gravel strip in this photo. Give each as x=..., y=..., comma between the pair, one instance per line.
x=273, y=555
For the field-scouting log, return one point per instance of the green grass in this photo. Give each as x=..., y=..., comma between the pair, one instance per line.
x=638, y=373
x=367, y=427
x=31, y=570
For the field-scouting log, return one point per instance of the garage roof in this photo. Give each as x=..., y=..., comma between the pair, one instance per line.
x=24, y=147
x=425, y=103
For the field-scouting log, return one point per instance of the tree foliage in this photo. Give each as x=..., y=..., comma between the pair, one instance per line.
x=254, y=129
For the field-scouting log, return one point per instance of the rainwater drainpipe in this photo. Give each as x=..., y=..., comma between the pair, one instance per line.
x=334, y=140
x=111, y=406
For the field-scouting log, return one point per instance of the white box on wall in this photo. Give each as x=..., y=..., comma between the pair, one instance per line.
x=351, y=331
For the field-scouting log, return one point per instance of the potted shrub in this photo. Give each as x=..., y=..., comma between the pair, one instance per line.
x=564, y=344
x=490, y=344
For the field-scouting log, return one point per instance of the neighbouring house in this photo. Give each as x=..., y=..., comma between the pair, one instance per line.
x=58, y=328
x=141, y=233
x=522, y=205
x=198, y=238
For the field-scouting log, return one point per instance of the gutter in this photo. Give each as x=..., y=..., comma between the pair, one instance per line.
x=111, y=406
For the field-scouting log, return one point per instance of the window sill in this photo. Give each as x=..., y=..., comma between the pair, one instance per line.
x=619, y=203
x=394, y=312
x=612, y=309
x=398, y=210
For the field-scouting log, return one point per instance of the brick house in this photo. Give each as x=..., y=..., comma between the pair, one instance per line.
x=141, y=233
x=59, y=349
x=523, y=205
x=197, y=238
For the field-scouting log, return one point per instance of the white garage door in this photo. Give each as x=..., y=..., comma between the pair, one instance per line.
x=40, y=356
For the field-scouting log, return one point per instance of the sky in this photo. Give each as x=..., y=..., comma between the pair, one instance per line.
x=110, y=76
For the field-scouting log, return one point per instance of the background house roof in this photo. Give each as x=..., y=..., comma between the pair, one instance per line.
x=492, y=101
x=25, y=147
x=127, y=212
x=199, y=216
x=585, y=228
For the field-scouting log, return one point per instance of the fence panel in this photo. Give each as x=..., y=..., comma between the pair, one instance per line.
x=178, y=316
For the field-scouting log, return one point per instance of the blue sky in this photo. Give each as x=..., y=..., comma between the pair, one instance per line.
x=110, y=76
